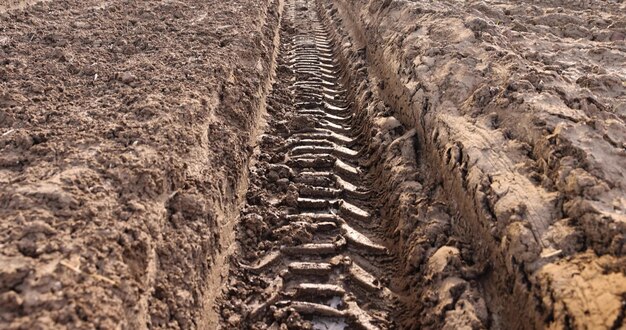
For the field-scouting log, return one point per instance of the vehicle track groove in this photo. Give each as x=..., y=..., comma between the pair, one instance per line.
x=333, y=278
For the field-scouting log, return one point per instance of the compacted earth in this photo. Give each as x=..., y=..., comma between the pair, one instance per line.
x=312, y=164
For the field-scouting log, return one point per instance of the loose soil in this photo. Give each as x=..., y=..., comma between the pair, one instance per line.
x=160, y=164
x=116, y=185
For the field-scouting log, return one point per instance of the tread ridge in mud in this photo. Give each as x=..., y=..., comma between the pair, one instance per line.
x=323, y=280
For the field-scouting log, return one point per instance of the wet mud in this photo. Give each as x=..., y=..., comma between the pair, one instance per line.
x=513, y=159
x=310, y=256
x=472, y=176
x=343, y=227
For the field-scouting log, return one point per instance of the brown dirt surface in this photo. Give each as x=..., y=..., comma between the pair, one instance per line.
x=522, y=106
x=16, y=4
x=124, y=132
x=137, y=191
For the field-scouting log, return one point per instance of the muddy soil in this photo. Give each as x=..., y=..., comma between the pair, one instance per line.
x=298, y=204
x=411, y=164
x=310, y=256
x=519, y=109
x=124, y=139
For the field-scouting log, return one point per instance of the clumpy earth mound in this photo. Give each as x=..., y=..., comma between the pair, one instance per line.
x=521, y=105
x=115, y=181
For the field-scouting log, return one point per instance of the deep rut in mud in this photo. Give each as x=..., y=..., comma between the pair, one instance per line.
x=319, y=264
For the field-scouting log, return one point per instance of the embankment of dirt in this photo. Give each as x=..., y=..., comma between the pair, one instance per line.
x=437, y=280
x=436, y=284
x=523, y=121
x=125, y=132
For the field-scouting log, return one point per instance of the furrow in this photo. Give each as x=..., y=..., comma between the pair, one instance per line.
x=320, y=265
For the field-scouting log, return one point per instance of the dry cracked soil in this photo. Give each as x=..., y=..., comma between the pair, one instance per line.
x=312, y=164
